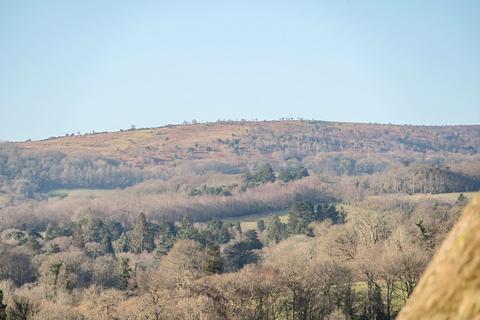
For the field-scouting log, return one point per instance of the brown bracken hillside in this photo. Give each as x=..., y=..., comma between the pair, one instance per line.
x=228, y=140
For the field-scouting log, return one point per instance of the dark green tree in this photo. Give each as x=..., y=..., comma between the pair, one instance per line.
x=214, y=261
x=261, y=225
x=301, y=215
x=62, y=230
x=296, y=173
x=216, y=232
x=54, y=271
x=50, y=232
x=141, y=237
x=166, y=233
x=263, y=175
x=123, y=243
x=243, y=252
x=164, y=245
x=275, y=230
x=107, y=247
x=92, y=229
x=238, y=227
x=124, y=273
x=187, y=231
x=300, y=172
x=115, y=229
x=251, y=238
x=285, y=175
x=168, y=228
x=327, y=211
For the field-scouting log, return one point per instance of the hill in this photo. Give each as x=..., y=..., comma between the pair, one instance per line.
x=120, y=159
x=227, y=140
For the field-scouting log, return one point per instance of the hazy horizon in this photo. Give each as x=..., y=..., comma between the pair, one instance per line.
x=69, y=67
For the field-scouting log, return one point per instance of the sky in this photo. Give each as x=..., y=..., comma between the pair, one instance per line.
x=83, y=66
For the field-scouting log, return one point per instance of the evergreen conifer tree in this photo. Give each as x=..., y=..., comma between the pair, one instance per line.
x=187, y=231
x=263, y=175
x=107, y=247
x=275, y=230
x=124, y=272
x=243, y=252
x=216, y=232
x=214, y=261
x=266, y=174
x=123, y=243
x=141, y=238
x=326, y=211
x=261, y=225
x=301, y=215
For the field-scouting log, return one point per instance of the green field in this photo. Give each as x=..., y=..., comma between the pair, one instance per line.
x=250, y=221
x=398, y=297
x=80, y=193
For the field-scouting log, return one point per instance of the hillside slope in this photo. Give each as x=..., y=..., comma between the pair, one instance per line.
x=403, y=159
x=226, y=140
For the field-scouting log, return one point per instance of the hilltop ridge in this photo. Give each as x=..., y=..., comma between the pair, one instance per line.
x=227, y=140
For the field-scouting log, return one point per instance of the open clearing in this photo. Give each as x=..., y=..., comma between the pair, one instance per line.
x=79, y=193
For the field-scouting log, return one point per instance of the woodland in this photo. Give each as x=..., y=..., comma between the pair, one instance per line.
x=229, y=220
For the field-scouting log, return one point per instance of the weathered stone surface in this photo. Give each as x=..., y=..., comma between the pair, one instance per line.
x=450, y=287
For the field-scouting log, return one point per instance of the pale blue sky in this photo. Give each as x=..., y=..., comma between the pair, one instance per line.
x=68, y=66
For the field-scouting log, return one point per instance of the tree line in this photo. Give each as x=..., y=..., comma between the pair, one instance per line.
x=321, y=263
